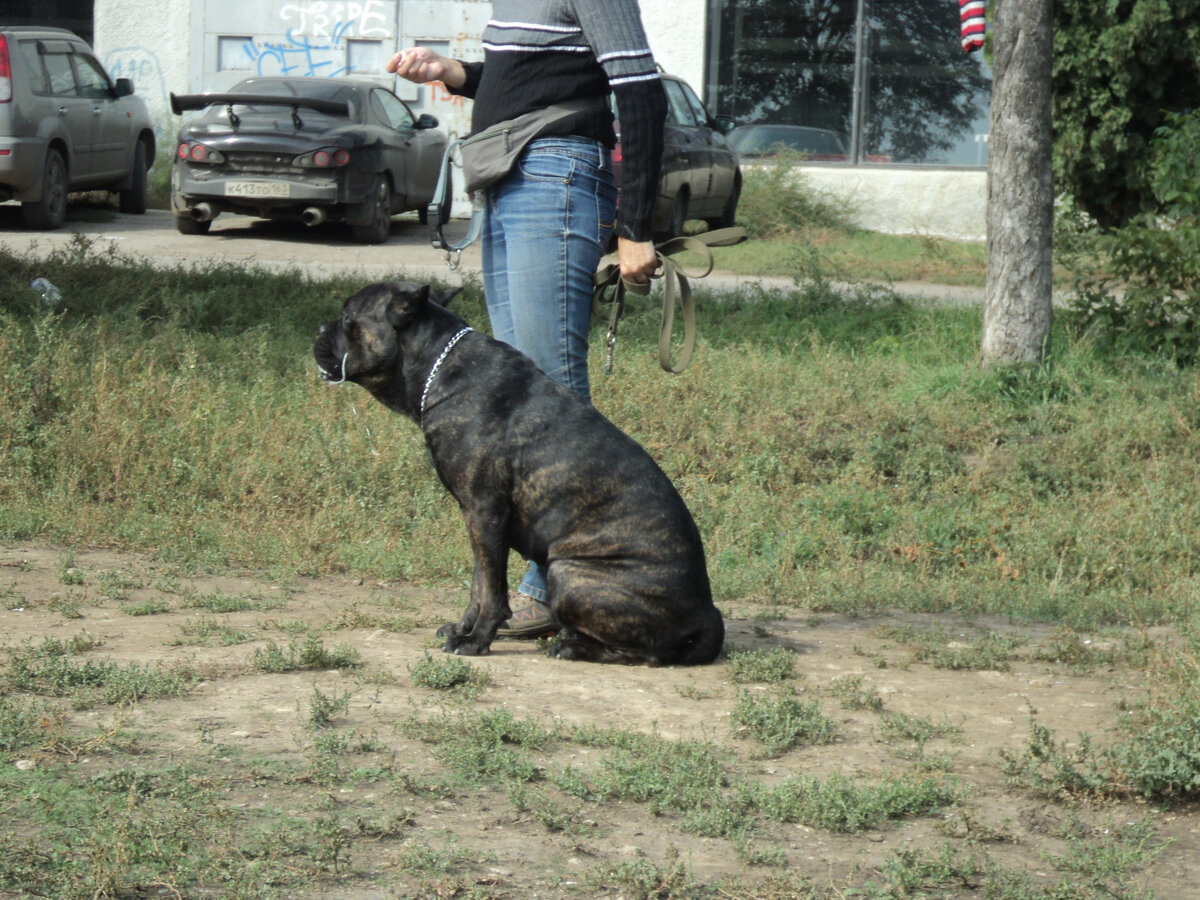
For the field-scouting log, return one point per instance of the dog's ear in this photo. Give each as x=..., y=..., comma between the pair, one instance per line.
x=443, y=298
x=407, y=300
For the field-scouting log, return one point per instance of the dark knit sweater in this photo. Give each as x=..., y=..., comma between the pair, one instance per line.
x=541, y=52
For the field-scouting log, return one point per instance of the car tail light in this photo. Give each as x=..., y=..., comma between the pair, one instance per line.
x=322, y=159
x=198, y=153
x=5, y=72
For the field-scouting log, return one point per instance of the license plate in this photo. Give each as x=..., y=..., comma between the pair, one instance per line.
x=258, y=189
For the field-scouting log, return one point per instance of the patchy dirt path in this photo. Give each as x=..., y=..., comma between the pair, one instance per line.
x=495, y=842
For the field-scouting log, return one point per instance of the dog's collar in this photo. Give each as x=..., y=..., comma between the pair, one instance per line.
x=437, y=364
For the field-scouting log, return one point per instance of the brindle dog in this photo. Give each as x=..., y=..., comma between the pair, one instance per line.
x=538, y=470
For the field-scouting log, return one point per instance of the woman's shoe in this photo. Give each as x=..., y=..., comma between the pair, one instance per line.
x=533, y=621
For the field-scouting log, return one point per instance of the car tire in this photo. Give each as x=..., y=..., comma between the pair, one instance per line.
x=185, y=224
x=50, y=210
x=729, y=214
x=133, y=200
x=377, y=229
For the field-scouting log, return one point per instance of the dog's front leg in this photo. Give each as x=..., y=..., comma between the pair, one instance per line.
x=488, y=608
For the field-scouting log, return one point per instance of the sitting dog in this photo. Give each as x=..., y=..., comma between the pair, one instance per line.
x=538, y=470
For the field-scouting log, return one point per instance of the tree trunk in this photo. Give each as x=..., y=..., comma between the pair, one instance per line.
x=1020, y=212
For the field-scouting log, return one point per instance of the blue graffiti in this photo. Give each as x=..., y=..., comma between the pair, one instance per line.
x=141, y=65
x=297, y=55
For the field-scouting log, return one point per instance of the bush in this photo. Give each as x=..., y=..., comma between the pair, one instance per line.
x=1119, y=69
x=777, y=201
x=1140, y=285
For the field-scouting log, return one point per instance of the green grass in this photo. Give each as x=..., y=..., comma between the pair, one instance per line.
x=861, y=460
x=842, y=454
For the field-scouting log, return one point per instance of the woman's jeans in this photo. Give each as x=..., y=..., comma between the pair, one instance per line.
x=548, y=222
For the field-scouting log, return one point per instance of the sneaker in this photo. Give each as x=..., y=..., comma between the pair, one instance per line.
x=533, y=621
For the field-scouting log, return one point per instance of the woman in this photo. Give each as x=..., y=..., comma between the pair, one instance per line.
x=548, y=222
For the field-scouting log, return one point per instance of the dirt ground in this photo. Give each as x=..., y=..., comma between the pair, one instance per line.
x=505, y=852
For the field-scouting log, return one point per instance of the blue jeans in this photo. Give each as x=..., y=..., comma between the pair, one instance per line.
x=547, y=224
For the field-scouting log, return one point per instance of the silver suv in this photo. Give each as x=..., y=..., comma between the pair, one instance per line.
x=66, y=126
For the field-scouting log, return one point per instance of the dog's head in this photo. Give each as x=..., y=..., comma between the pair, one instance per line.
x=365, y=342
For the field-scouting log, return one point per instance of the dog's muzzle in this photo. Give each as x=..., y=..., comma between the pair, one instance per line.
x=332, y=369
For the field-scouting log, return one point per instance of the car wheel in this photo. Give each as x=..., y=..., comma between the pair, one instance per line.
x=133, y=201
x=377, y=229
x=729, y=214
x=50, y=210
x=185, y=224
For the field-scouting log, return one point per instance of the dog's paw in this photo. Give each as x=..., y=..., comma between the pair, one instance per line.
x=465, y=647
x=450, y=630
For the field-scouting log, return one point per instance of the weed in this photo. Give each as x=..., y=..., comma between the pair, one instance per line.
x=782, y=723
x=48, y=670
x=219, y=602
x=641, y=879
x=941, y=650
x=153, y=607
x=852, y=693
x=449, y=673
x=843, y=805
x=66, y=570
x=116, y=585
x=66, y=607
x=918, y=729
x=1081, y=654
x=776, y=664
x=306, y=655
x=323, y=709
x=209, y=632
x=483, y=747
x=549, y=811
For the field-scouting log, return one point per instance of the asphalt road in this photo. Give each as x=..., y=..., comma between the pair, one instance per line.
x=328, y=249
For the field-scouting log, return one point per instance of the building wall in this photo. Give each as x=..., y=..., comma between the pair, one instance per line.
x=173, y=47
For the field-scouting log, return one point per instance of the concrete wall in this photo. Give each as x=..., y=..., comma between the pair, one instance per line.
x=677, y=33
x=950, y=203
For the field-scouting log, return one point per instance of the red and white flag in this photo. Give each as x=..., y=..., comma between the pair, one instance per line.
x=973, y=24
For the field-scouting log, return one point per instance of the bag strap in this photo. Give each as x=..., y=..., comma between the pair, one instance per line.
x=438, y=211
x=675, y=285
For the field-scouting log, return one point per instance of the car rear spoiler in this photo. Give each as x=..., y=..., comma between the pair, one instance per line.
x=181, y=103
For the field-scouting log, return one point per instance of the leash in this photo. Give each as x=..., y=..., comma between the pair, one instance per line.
x=608, y=280
x=438, y=211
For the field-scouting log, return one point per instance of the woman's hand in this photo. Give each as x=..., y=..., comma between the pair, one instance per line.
x=637, y=260
x=422, y=65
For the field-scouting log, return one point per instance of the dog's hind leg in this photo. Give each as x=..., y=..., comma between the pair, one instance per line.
x=573, y=645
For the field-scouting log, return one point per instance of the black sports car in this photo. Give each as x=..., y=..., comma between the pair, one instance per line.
x=304, y=148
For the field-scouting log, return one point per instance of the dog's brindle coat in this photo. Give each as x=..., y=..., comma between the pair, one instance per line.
x=536, y=469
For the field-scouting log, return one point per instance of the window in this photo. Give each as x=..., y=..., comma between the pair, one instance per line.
x=679, y=111
x=897, y=84
x=93, y=82
x=62, y=79
x=33, y=65
x=391, y=110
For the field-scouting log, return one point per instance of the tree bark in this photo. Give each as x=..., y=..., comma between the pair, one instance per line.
x=1020, y=212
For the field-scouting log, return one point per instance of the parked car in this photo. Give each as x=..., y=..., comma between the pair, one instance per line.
x=814, y=144
x=304, y=148
x=700, y=178
x=66, y=126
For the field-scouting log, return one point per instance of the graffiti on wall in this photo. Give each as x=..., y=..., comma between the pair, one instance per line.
x=337, y=20
x=141, y=66
x=318, y=38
